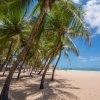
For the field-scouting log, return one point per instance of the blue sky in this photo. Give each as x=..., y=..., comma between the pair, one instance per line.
x=89, y=56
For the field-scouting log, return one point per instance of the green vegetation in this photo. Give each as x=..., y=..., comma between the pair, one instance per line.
x=34, y=42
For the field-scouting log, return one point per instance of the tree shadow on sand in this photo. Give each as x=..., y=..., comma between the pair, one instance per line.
x=52, y=91
x=56, y=90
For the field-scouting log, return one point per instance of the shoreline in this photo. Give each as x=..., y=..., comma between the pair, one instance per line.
x=80, y=69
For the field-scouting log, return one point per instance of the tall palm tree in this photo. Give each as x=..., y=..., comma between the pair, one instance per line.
x=65, y=19
x=4, y=93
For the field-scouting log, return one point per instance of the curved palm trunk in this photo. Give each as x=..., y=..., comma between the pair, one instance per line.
x=5, y=90
x=6, y=66
x=25, y=68
x=5, y=70
x=52, y=78
x=47, y=66
x=31, y=71
x=43, y=66
x=19, y=72
x=44, y=73
x=7, y=57
x=40, y=71
x=33, y=68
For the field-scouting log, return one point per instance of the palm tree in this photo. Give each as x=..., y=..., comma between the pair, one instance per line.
x=53, y=72
x=13, y=23
x=50, y=23
x=65, y=19
x=67, y=46
x=4, y=93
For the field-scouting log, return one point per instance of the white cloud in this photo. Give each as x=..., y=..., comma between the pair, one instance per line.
x=83, y=59
x=89, y=59
x=92, y=8
x=94, y=58
x=76, y=1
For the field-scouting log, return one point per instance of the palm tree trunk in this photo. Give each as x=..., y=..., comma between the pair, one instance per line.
x=52, y=78
x=25, y=68
x=6, y=67
x=7, y=57
x=5, y=90
x=47, y=66
x=19, y=72
x=44, y=64
x=31, y=71
x=44, y=73
x=33, y=68
x=41, y=70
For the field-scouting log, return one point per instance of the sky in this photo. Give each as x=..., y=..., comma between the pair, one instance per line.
x=89, y=57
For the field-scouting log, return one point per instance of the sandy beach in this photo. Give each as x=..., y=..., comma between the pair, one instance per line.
x=68, y=85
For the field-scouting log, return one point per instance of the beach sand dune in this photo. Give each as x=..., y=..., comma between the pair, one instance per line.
x=68, y=85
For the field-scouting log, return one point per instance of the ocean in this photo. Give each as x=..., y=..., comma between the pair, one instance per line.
x=83, y=69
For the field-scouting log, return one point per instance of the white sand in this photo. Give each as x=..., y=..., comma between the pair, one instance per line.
x=68, y=85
